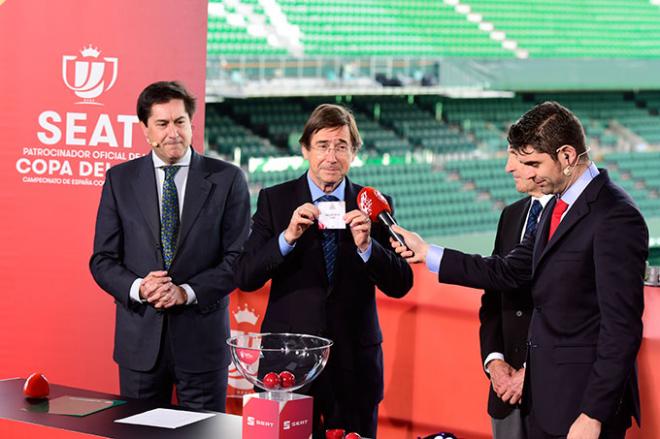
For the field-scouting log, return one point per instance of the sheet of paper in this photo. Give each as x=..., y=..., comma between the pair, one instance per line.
x=332, y=214
x=165, y=418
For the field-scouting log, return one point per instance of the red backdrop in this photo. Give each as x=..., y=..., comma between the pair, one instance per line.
x=70, y=73
x=57, y=102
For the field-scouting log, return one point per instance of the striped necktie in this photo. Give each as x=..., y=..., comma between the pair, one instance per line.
x=169, y=224
x=329, y=244
x=533, y=218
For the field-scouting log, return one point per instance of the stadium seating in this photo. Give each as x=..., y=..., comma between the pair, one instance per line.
x=570, y=29
x=238, y=28
x=427, y=201
x=639, y=174
x=454, y=195
x=419, y=28
x=421, y=129
x=651, y=101
x=224, y=135
x=598, y=111
x=487, y=176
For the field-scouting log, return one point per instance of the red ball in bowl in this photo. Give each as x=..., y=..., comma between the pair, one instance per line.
x=271, y=380
x=335, y=433
x=287, y=379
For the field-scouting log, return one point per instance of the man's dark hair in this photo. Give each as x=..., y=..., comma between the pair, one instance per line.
x=330, y=116
x=545, y=128
x=160, y=93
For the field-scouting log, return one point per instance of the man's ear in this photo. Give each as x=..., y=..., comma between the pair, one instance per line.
x=567, y=155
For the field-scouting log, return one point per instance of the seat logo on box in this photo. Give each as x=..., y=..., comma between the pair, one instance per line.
x=251, y=421
x=288, y=424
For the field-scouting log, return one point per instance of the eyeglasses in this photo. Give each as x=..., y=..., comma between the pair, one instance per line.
x=324, y=149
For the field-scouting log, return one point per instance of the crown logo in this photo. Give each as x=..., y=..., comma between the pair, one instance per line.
x=246, y=315
x=90, y=51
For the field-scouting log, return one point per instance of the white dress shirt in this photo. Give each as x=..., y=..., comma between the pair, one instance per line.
x=180, y=181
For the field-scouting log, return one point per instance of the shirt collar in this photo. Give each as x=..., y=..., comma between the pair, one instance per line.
x=543, y=199
x=317, y=193
x=574, y=190
x=183, y=161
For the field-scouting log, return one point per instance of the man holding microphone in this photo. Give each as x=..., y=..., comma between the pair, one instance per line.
x=585, y=267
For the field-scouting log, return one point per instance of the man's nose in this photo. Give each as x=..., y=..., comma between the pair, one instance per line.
x=331, y=155
x=529, y=173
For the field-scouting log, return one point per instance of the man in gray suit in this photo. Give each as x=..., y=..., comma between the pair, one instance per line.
x=169, y=227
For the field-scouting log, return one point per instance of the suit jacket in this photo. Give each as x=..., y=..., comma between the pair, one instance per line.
x=301, y=299
x=214, y=225
x=505, y=317
x=587, y=288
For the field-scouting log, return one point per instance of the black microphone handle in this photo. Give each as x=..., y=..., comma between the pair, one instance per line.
x=389, y=221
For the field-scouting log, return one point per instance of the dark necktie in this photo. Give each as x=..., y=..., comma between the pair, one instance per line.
x=169, y=224
x=329, y=244
x=557, y=212
x=533, y=218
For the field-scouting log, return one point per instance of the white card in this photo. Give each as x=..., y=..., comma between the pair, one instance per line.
x=332, y=214
x=165, y=418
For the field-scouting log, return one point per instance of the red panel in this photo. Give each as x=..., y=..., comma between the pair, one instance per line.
x=647, y=368
x=54, y=318
x=433, y=376
x=22, y=430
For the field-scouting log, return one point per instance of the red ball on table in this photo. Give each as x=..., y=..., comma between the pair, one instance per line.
x=36, y=386
x=352, y=435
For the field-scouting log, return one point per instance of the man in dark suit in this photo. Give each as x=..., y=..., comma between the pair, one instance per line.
x=324, y=282
x=169, y=228
x=585, y=266
x=505, y=317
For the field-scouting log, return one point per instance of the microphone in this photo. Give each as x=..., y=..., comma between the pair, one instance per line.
x=373, y=203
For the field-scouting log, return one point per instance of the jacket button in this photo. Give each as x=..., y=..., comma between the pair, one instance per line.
x=519, y=313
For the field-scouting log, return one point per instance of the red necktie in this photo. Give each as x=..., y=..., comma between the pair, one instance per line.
x=557, y=212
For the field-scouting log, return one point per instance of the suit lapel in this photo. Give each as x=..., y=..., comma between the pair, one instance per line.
x=574, y=215
x=522, y=223
x=198, y=189
x=144, y=189
x=579, y=210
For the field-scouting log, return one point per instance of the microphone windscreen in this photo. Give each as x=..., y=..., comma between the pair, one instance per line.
x=372, y=203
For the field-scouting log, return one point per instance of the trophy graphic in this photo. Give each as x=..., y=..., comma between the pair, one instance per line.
x=89, y=79
x=279, y=364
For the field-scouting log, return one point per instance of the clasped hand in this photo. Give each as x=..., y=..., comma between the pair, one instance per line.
x=507, y=382
x=158, y=290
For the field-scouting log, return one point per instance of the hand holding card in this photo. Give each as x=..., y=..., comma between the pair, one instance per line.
x=332, y=214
